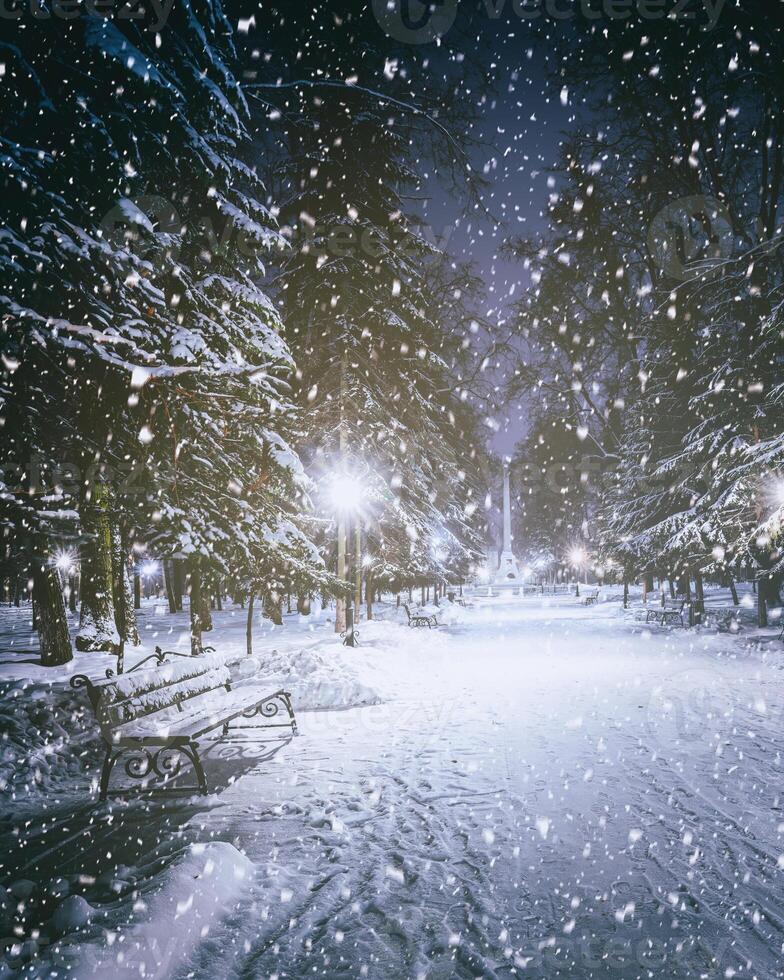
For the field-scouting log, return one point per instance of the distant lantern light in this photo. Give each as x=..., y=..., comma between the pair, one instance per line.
x=150, y=568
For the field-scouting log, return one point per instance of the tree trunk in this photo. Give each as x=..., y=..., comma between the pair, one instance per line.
x=122, y=593
x=734, y=592
x=762, y=605
x=625, y=593
x=303, y=603
x=672, y=588
x=249, y=624
x=272, y=608
x=423, y=596
x=206, y=603
x=219, y=596
x=137, y=590
x=52, y=624
x=369, y=594
x=97, y=628
x=179, y=579
x=196, y=607
x=73, y=589
x=168, y=579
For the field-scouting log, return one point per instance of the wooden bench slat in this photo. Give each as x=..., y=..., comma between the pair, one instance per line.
x=161, y=699
x=200, y=720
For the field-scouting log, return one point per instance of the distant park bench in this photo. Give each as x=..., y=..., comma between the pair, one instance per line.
x=419, y=618
x=671, y=611
x=158, y=715
x=590, y=598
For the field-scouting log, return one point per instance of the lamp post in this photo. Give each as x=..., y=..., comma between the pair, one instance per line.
x=346, y=496
x=578, y=558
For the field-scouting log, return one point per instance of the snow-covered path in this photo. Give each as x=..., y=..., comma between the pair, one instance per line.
x=548, y=791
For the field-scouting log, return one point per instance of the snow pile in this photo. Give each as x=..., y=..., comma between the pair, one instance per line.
x=317, y=677
x=447, y=613
x=187, y=901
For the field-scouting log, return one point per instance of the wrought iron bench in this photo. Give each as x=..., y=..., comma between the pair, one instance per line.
x=591, y=598
x=420, y=619
x=670, y=611
x=158, y=715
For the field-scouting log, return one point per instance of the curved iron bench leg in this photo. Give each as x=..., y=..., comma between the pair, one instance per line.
x=192, y=752
x=106, y=770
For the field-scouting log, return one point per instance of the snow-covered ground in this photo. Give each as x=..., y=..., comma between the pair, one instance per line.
x=541, y=789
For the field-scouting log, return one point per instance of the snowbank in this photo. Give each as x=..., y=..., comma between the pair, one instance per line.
x=317, y=678
x=187, y=901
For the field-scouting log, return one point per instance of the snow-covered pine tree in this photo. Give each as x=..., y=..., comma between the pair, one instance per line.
x=132, y=337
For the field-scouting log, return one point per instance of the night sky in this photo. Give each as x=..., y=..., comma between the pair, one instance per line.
x=511, y=140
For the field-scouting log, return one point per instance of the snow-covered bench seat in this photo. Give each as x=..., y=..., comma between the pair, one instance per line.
x=420, y=618
x=591, y=598
x=670, y=611
x=157, y=715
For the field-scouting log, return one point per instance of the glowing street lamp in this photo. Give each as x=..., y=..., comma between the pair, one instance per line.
x=578, y=557
x=64, y=560
x=345, y=493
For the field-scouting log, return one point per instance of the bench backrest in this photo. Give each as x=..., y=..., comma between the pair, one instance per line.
x=145, y=692
x=674, y=604
x=408, y=611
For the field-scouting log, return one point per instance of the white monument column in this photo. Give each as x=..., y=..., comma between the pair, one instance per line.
x=507, y=548
x=508, y=573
